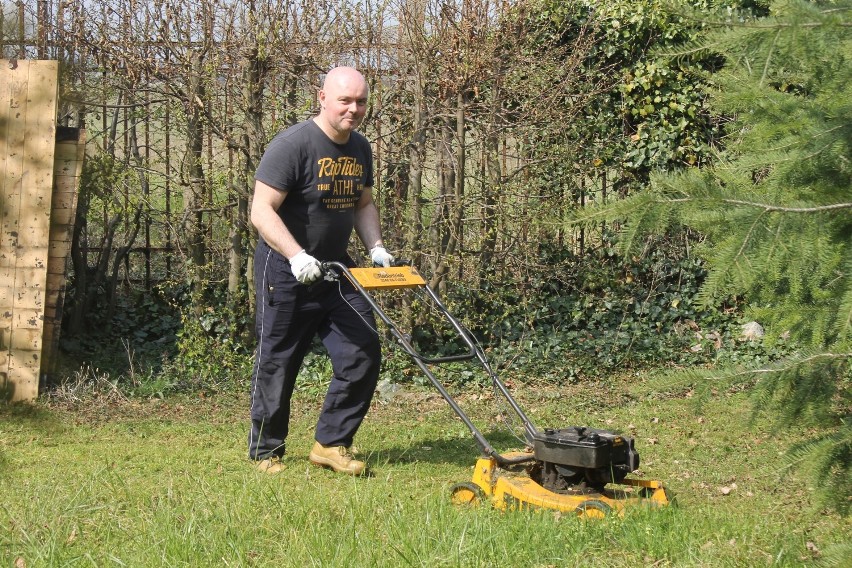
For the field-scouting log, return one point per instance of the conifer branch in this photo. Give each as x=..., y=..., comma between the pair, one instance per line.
x=793, y=363
x=767, y=207
x=746, y=240
x=777, y=208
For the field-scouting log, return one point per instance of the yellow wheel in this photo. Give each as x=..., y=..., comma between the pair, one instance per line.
x=593, y=509
x=466, y=494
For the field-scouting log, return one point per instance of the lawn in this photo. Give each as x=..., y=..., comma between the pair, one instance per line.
x=102, y=480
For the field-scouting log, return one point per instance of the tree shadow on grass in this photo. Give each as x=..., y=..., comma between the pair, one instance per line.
x=20, y=422
x=27, y=421
x=29, y=416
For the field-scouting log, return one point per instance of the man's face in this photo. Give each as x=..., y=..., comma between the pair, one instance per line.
x=344, y=103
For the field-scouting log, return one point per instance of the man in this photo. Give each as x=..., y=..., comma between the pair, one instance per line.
x=312, y=187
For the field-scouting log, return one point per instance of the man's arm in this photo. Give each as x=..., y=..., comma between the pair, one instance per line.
x=368, y=228
x=264, y=216
x=367, y=220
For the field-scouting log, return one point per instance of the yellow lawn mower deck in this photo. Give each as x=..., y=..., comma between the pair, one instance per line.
x=516, y=487
x=577, y=470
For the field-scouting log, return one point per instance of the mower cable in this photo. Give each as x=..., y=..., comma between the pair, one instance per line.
x=360, y=315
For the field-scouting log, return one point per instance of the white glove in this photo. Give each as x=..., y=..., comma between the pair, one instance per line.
x=305, y=268
x=380, y=256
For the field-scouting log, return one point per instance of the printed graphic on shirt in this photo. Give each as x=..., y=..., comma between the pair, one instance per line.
x=340, y=181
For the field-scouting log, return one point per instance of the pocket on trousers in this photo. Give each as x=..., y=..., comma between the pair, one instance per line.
x=280, y=288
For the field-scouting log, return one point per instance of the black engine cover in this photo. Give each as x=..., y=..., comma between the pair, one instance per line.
x=586, y=448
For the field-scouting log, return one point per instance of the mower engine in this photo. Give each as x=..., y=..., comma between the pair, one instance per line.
x=578, y=458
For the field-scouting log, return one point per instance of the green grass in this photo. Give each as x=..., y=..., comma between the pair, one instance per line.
x=114, y=482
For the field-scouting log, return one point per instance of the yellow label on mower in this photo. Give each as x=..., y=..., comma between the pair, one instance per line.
x=388, y=278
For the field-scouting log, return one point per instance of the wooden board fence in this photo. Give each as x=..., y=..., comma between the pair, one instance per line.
x=67, y=168
x=28, y=104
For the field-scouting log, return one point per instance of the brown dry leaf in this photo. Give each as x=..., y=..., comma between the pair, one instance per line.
x=812, y=548
x=71, y=537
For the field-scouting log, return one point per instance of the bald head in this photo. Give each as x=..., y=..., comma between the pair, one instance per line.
x=343, y=103
x=341, y=77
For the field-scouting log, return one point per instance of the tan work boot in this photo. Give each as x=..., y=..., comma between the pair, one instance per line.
x=338, y=458
x=271, y=465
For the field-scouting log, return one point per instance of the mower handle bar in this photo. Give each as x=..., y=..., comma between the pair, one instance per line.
x=330, y=267
x=474, y=352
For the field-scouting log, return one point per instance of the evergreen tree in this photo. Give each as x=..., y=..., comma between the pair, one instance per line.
x=776, y=207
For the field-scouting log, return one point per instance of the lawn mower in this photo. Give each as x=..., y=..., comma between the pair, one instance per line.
x=577, y=470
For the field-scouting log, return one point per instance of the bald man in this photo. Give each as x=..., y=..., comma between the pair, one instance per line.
x=313, y=186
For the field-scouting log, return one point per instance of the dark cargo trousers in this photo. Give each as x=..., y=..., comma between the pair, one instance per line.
x=289, y=315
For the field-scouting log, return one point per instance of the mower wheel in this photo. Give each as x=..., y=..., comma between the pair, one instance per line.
x=466, y=494
x=593, y=509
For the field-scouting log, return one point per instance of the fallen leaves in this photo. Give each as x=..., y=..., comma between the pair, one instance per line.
x=72, y=536
x=812, y=548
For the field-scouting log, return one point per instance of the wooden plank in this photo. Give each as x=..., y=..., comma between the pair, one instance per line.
x=5, y=386
x=25, y=359
x=68, y=166
x=7, y=278
x=56, y=267
x=6, y=292
x=62, y=216
x=23, y=374
x=29, y=110
x=6, y=261
x=29, y=277
x=27, y=298
x=55, y=281
x=12, y=116
x=30, y=257
x=26, y=318
x=5, y=110
x=26, y=340
x=12, y=83
x=60, y=246
x=30, y=299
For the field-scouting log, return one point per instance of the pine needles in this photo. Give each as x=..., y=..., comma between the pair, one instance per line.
x=776, y=208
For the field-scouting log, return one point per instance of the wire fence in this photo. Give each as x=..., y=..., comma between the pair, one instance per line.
x=177, y=124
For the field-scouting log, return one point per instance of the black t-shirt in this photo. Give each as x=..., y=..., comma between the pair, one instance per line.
x=323, y=181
